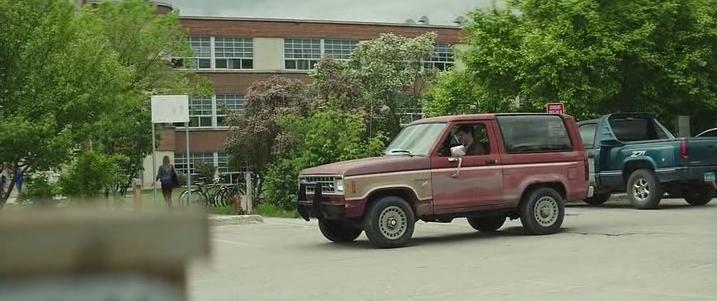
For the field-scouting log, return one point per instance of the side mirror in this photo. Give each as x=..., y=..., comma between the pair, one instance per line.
x=458, y=151
x=610, y=142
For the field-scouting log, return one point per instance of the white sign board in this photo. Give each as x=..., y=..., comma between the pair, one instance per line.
x=170, y=108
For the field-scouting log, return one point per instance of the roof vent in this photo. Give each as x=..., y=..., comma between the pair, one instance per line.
x=423, y=20
x=460, y=20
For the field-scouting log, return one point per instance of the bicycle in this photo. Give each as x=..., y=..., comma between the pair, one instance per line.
x=199, y=196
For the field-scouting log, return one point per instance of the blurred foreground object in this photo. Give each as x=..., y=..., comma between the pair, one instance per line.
x=91, y=255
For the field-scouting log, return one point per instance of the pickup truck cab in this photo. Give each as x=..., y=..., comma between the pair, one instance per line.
x=634, y=153
x=485, y=167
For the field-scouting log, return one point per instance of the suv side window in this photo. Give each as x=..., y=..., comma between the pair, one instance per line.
x=534, y=134
x=474, y=136
x=587, y=133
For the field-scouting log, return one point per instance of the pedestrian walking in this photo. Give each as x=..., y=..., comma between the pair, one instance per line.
x=19, y=179
x=167, y=176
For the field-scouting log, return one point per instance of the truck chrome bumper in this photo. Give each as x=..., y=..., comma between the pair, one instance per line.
x=317, y=206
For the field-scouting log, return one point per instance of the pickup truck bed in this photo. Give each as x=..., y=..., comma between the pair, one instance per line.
x=619, y=145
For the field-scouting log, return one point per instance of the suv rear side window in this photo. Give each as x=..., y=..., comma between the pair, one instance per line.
x=534, y=134
x=587, y=133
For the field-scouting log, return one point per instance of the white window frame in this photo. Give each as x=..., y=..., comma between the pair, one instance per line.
x=194, y=60
x=337, y=46
x=244, y=55
x=310, y=58
x=199, y=117
x=220, y=113
x=441, y=57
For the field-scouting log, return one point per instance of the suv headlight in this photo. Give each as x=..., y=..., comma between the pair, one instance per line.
x=339, y=185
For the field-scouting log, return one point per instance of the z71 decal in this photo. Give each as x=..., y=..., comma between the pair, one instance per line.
x=637, y=154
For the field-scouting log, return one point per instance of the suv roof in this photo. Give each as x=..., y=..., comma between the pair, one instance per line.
x=469, y=117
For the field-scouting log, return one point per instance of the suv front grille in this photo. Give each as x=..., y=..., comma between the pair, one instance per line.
x=328, y=183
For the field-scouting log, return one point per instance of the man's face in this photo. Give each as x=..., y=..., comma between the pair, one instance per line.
x=465, y=137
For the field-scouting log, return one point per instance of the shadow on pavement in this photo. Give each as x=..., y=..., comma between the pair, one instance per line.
x=670, y=204
x=444, y=239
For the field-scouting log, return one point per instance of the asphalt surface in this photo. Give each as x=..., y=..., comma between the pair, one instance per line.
x=609, y=253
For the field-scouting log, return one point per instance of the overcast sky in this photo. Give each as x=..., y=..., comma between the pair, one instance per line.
x=395, y=11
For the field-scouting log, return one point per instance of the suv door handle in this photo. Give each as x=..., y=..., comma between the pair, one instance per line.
x=491, y=162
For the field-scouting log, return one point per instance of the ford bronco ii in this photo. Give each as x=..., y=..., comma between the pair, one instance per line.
x=485, y=168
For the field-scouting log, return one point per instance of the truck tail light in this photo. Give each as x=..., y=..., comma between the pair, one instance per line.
x=684, y=150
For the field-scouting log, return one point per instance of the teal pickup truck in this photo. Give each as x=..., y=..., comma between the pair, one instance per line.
x=634, y=153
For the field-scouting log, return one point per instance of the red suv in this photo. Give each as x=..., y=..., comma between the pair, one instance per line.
x=485, y=168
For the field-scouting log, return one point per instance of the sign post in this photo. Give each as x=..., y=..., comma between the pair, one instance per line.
x=170, y=109
x=555, y=108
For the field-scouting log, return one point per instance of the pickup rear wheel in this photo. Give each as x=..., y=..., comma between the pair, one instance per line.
x=597, y=199
x=486, y=224
x=699, y=195
x=389, y=222
x=644, y=190
x=542, y=211
x=338, y=231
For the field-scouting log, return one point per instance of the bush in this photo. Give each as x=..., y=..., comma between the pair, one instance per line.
x=39, y=190
x=325, y=137
x=90, y=174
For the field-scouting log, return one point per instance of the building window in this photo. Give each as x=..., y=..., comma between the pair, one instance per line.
x=227, y=105
x=339, y=49
x=202, y=48
x=442, y=57
x=408, y=115
x=301, y=54
x=200, y=112
x=227, y=173
x=234, y=53
x=206, y=159
x=180, y=163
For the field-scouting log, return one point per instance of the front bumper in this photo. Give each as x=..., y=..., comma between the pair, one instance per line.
x=318, y=206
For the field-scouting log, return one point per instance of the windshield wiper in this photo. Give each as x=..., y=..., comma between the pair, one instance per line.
x=404, y=151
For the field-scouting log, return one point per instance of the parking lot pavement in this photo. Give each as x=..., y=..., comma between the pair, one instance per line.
x=608, y=253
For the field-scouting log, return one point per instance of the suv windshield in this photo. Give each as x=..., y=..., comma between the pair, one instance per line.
x=415, y=139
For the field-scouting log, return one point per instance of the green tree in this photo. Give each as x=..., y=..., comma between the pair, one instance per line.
x=89, y=174
x=144, y=41
x=57, y=78
x=381, y=78
x=253, y=132
x=325, y=137
x=595, y=56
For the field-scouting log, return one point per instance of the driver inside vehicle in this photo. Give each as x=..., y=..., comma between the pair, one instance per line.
x=466, y=136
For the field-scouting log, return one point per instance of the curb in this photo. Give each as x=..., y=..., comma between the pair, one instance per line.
x=224, y=220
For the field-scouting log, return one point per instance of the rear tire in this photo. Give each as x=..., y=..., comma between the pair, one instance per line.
x=542, y=211
x=338, y=231
x=699, y=195
x=597, y=199
x=486, y=224
x=389, y=222
x=644, y=190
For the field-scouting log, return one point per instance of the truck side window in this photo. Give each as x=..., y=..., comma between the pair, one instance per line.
x=473, y=136
x=534, y=134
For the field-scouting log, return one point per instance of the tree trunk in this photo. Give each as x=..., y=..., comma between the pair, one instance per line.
x=5, y=195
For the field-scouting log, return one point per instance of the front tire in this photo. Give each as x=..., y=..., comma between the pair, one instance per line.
x=597, y=199
x=389, y=222
x=699, y=195
x=542, y=211
x=338, y=231
x=644, y=190
x=487, y=224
